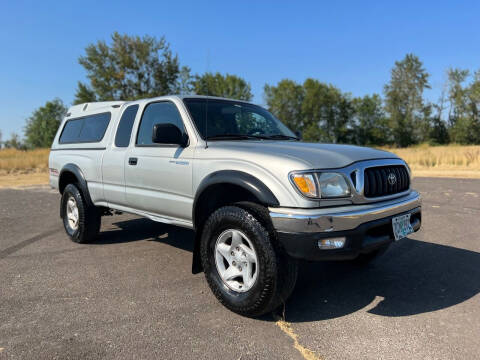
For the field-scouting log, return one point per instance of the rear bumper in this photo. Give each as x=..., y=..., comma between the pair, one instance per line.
x=364, y=227
x=53, y=180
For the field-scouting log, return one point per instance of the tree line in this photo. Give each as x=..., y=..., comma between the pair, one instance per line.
x=134, y=67
x=401, y=118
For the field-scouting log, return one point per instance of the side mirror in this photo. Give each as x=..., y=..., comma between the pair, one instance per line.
x=298, y=134
x=168, y=134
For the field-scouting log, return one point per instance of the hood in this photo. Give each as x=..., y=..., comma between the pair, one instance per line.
x=312, y=155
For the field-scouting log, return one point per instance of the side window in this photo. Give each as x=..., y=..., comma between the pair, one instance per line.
x=124, y=131
x=157, y=113
x=94, y=128
x=87, y=129
x=71, y=130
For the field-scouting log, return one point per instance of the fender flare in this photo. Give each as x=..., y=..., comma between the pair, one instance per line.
x=82, y=183
x=239, y=178
x=248, y=182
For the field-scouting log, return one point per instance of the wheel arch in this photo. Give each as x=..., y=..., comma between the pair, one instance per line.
x=223, y=188
x=72, y=174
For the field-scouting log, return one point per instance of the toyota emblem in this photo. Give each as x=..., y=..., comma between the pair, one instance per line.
x=392, y=179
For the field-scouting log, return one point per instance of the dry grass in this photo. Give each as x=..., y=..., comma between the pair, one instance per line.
x=12, y=160
x=23, y=168
x=442, y=161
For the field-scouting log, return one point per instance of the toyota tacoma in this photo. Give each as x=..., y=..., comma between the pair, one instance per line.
x=258, y=199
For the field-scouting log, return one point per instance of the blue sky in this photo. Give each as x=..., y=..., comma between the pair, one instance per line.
x=351, y=44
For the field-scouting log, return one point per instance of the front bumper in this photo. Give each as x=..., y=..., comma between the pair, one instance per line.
x=366, y=227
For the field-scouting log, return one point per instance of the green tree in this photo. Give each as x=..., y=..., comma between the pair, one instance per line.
x=466, y=131
x=404, y=100
x=320, y=111
x=285, y=101
x=131, y=67
x=229, y=86
x=185, y=82
x=42, y=125
x=457, y=94
x=370, y=121
x=464, y=102
x=84, y=94
x=327, y=112
x=425, y=123
x=14, y=142
x=474, y=109
x=438, y=132
x=474, y=97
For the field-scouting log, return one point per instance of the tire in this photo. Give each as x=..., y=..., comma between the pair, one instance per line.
x=365, y=259
x=274, y=273
x=87, y=225
x=287, y=273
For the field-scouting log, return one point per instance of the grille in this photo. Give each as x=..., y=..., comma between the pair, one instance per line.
x=378, y=181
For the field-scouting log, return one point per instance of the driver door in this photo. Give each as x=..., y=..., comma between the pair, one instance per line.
x=158, y=177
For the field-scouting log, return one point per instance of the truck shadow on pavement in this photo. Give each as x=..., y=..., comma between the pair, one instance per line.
x=144, y=229
x=412, y=277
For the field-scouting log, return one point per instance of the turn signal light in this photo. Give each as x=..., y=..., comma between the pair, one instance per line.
x=306, y=184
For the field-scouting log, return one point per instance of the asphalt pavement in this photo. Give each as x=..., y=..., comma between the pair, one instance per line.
x=131, y=293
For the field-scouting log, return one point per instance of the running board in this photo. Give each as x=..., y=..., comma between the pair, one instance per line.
x=154, y=217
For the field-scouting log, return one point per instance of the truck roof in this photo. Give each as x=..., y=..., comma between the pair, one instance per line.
x=209, y=97
x=104, y=106
x=86, y=108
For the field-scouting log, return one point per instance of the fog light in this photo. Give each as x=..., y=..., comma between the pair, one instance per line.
x=333, y=243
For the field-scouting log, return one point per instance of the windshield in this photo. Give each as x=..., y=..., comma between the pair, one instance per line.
x=224, y=119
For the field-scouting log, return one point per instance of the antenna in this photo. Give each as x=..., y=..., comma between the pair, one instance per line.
x=206, y=122
x=206, y=104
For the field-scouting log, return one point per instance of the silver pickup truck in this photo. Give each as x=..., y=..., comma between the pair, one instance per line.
x=257, y=198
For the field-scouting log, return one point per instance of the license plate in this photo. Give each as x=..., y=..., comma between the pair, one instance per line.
x=401, y=226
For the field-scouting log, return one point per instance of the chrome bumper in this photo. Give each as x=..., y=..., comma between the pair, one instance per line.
x=339, y=218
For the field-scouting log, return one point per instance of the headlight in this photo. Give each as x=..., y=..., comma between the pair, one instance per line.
x=321, y=185
x=333, y=185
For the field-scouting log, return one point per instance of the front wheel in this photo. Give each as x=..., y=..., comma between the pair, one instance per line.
x=81, y=222
x=243, y=268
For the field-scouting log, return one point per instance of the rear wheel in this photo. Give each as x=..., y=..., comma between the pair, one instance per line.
x=242, y=266
x=81, y=222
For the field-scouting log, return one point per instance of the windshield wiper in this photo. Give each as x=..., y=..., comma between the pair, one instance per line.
x=234, y=137
x=249, y=137
x=281, y=137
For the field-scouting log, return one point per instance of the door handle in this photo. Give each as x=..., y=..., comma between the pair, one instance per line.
x=132, y=161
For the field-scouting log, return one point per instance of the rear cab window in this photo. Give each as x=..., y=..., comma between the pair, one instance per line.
x=124, y=130
x=86, y=129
